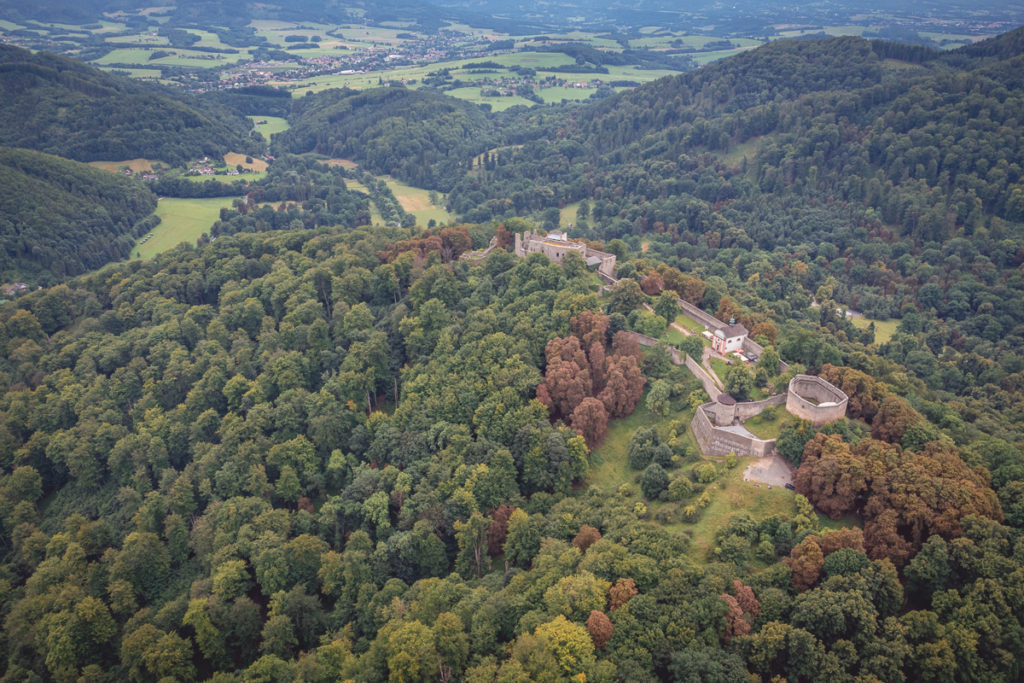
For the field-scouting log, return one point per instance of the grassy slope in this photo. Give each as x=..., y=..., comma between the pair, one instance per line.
x=181, y=220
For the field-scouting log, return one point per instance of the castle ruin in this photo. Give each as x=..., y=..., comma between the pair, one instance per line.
x=555, y=245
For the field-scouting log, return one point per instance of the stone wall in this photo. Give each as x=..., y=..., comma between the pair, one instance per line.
x=717, y=441
x=812, y=398
x=680, y=358
x=706, y=319
x=745, y=411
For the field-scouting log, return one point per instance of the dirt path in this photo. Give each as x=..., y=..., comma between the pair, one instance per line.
x=705, y=361
x=679, y=328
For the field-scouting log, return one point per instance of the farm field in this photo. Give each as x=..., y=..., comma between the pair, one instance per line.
x=136, y=165
x=234, y=159
x=181, y=220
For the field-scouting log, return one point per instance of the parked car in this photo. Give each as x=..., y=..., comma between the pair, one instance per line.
x=790, y=487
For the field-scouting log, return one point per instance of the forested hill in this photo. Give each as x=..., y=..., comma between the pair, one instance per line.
x=424, y=138
x=58, y=105
x=60, y=218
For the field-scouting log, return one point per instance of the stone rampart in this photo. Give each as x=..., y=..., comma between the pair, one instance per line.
x=706, y=319
x=812, y=398
x=680, y=358
x=720, y=441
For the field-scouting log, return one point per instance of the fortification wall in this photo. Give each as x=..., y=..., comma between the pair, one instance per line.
x=680, y=358
x=706, y=319
x=812, y=398
x=745, y=411
x=717, y=441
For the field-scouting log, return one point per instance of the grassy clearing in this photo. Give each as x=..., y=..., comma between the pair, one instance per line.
x=181, y=220
x=703, y=58
x=567, y=214
x=344, y=163
x=768, y=425
x=689, y=323
x=416, y=201
x=356, y=186
x=673, y=336
x=719, y=366
x=884, y=329
x=609, y=462
x=747, y=150
x=736, y=497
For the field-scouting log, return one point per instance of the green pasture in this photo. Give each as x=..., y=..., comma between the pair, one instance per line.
x=416, y=200
x=414, y=75
x=884, y=329
x=702, y=58
x=250, y=177
x=181, y=220
x=472, y=94
x=179, y=57
x=274, y=124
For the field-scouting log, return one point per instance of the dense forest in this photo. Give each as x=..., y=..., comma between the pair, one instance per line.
x=60, y=218
x=318, y=455
x=308, y=449
x=58, y=105
x=422, y=137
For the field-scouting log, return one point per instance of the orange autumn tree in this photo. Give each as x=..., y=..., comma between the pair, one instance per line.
x=903, y=497
x=586, y=385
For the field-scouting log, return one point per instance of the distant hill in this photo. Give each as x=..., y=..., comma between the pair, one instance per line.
x=60, y=218
x=1004, y=46
x=420, y=137
x=61, y=106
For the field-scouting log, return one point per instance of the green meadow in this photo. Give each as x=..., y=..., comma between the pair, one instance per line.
x=274, y=124
x=181, y=220
x=884, y=329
